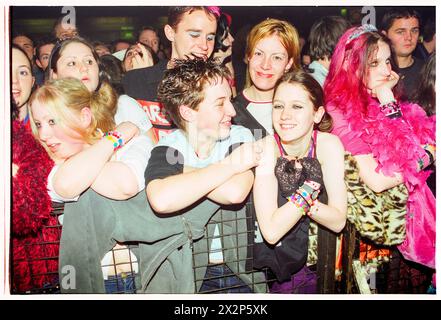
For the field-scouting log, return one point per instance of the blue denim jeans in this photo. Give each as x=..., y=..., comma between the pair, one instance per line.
x=121, y=283
x=220, y=279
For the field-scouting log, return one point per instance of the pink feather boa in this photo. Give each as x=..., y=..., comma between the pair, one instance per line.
x=396, y=146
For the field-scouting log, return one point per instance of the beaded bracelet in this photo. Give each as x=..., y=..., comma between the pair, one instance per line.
x=391, y=110
x=299, y=202
x=116, y=139
x=305, y=196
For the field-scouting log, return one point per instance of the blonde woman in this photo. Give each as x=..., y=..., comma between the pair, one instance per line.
x=79, y=132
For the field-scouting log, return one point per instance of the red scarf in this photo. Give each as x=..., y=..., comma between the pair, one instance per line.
x=33, y=240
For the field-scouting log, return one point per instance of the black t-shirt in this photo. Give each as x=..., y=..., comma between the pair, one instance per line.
x=142, y=85
x=160, y=167
x=411, y=77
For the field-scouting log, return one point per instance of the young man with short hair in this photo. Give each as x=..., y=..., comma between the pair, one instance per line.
x=43, y=52
x=25, y=43
x=323, y=38
x=206, y=158
x=191, y=31
x=402, y=27
x=149, y=37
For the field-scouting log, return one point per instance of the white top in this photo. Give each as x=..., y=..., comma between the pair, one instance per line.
x=51, y=190
x=319, y=72
x=130, y=110
x=177, y=140
x=262, y=112
x=136, y=154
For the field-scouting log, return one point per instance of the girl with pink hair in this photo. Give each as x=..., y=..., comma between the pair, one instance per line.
x=391, y=140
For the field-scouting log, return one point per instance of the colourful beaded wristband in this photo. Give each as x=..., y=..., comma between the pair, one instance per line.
x=116, y=139
x=305, y=196
x=299, y=202
x=391, y=110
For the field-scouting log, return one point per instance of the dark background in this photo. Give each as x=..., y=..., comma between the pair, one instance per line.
x=110, y=23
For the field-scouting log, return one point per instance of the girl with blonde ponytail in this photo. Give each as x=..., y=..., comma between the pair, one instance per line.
x=77, y=128
x=89, y=150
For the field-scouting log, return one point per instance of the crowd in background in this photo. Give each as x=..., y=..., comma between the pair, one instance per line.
x=147, y=142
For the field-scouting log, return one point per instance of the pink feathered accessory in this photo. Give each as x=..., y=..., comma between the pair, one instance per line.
x=396, y=145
